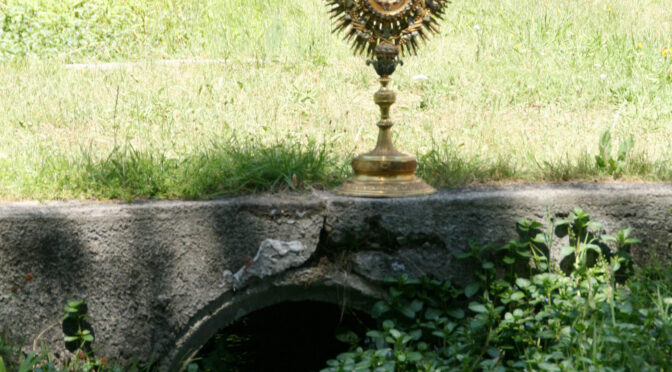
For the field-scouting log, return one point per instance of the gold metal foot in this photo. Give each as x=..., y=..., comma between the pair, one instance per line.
x=384, y=176
x=385, y=188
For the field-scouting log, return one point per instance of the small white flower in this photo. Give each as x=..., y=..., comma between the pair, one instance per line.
x=477, y=27
x=420, y=77
x=603, y=76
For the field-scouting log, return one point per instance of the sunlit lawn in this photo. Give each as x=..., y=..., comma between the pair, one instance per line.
x=514, y=91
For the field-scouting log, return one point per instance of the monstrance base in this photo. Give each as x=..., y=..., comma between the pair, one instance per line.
x=384, y=176
x=384, y=187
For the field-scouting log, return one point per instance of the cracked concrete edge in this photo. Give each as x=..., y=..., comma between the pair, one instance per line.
x=489, y=214
x=102, y=209
x=147, y=269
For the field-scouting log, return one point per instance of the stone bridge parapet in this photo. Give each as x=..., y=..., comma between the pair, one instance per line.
x=162, y=277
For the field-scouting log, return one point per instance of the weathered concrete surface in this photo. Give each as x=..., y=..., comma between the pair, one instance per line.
x=147, y=270
x=159, y=276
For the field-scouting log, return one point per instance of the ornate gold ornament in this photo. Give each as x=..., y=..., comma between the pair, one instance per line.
x=367, y=23
x=384, y=29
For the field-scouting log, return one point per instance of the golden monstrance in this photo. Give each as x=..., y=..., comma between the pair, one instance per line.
x=384, y=30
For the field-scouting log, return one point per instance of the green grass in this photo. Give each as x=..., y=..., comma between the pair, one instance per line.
x=523, y=97
x=14, y=359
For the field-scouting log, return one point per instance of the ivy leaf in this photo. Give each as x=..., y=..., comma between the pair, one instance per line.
x=439, y=334
x=471, y=289
x=407, y=312
x=364, y=365
x=382, y=353
x=523, y=283
x=493, y=352
x=517, y=296
x=379, y=309
x=395, y=333
x=416, y=334
x=75, y=304
x=594, y=225
x=566, y=251
x=593, y=248
x=607, y=238
x=562, y=222
x=375, y=334
x=414, y=356
x=332, y=363
x=540, y=238
x=477, y=307
x=456, y=313
x=625, y=308
x=548, y=367
x=416, y=305
x=463, y=255
x=524, y=252
x=411, y=309
x=617, y=265
x=432, y=314
x=479, y=321
x=347, y=336
x=526, y=225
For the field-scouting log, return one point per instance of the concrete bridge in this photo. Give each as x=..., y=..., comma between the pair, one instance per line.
x=162, y=277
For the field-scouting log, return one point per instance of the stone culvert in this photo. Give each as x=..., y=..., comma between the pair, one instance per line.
x=163, y=277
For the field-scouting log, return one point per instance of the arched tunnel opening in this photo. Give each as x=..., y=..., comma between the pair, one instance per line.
x=290, y=336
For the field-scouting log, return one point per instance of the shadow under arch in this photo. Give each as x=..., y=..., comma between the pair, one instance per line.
x=236, y=305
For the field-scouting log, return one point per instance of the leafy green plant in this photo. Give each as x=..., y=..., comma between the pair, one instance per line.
x=537, y=319
x=12, y=359
x=584, y=237
x=78, y=337
x=78, y=334
x=605, y=161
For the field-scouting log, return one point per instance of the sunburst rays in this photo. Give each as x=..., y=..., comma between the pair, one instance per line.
x=405, y=23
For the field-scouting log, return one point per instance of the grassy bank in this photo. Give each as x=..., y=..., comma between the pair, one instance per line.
x=513, y=92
